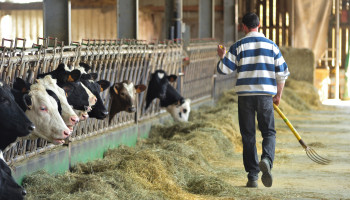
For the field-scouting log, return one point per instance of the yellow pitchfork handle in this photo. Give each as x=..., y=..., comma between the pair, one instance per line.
x=295, y=132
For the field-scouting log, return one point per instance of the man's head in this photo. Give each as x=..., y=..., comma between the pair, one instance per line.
x=250, y=20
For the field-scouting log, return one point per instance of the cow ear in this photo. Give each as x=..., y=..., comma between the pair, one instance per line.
x=172, y=78
x=140, y=88
x=74, y=76
x=85, y=66
x=60, y=68
x=93, y=76
x=20, y=85
x=115, y=88
x=103, y=84
x=28, y=101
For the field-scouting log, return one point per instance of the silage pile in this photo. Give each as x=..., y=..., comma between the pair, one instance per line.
x=177, y=161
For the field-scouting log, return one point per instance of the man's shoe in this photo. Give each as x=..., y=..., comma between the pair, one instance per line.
x=252, y=184
x=265, y=168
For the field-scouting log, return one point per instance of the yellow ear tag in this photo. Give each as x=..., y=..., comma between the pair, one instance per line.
x=115, y=90
x=66, y=94
x=70, y=79
x=138, y=90
x=101, y=89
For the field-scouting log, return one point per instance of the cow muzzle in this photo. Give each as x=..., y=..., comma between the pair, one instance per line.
x=131, y=109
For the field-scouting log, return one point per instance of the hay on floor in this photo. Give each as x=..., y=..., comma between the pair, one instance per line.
x=177, y=161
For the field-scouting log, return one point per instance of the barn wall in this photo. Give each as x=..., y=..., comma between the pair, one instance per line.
x=150, y=25
x=94, y=23
x=99, y=23
x=26, y=24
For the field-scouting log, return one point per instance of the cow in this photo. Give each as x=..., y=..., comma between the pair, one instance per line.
x=44, y=112
x=78, y=95
x=180, y=112
x=99, y=111
x=13, y=121
x=123, y=96
x=159, y=87
x=9, y=189
x=68, y=114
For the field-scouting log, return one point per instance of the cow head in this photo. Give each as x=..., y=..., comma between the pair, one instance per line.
x=180, y=112
x=44, y=113
x=123, y=96
x=13, y=122
x=99, y=110
x=68, y=114
x=170, y=99
x=9, y=189
x=158, y=84
x=77, y=94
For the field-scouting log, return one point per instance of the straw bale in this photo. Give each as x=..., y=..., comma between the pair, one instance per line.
x=301, y=63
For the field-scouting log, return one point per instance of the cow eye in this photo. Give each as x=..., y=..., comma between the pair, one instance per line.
x=185, y=110
x=43, y=108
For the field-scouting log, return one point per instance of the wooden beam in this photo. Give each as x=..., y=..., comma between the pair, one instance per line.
x=185, y=8
x=21, y=6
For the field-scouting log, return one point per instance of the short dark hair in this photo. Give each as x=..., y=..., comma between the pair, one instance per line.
x=251, y=20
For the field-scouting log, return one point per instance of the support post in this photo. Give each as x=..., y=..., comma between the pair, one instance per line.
x=127, y=19
x=336, y=95
x=206, y=19
x=57, y=19
x=229, y=21
x=173, y=19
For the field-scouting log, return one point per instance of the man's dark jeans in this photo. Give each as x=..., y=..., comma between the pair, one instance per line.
x=247, y=107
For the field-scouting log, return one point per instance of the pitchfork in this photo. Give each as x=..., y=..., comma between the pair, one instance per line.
x=309, y=151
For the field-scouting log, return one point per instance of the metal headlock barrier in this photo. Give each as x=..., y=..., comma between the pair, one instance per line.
x=115, y=61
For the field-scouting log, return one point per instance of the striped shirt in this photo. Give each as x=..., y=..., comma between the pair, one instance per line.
x=257, y=65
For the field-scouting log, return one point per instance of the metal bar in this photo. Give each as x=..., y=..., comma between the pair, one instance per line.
x=57, y=19
x=127, y=12
x=336, y=94
x=205, y=18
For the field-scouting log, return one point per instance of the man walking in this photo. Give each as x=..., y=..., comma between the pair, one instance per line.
x=260, y=72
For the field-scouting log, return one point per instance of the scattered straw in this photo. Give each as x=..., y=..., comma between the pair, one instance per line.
x=178, y=161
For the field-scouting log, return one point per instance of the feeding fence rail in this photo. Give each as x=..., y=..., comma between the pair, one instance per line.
x=115, y=61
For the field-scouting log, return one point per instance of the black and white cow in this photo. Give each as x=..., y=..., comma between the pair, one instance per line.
x=67, y=112
x=123, y=96
x=9, y=189
x=45, y=112
x=99, y=110
x=13, y=121
x=159, y=87
x=77, y=94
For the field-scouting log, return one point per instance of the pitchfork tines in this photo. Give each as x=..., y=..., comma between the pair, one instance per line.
x=309, y=151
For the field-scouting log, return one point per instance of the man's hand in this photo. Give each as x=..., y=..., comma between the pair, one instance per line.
x=221, y=51
x=276, y=99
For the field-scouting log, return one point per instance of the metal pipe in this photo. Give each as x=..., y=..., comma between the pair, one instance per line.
x=336, y=95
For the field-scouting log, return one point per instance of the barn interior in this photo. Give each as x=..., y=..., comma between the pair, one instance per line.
x=146, y=155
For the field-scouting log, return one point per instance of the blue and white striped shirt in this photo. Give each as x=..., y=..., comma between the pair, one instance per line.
x=257, y=65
